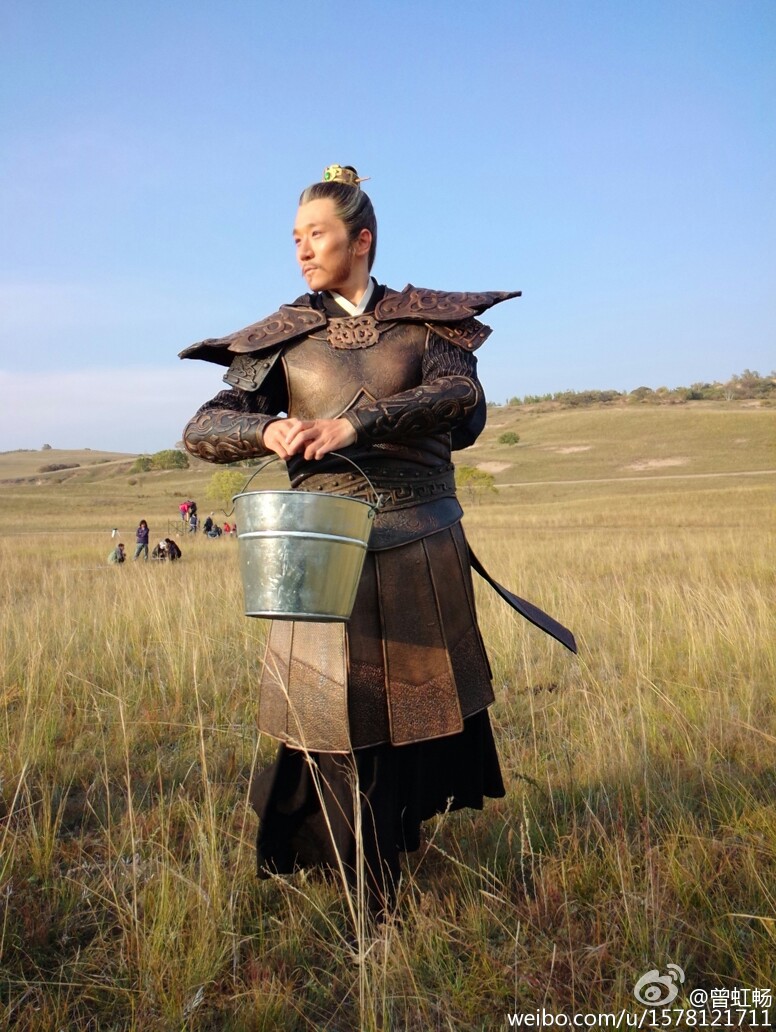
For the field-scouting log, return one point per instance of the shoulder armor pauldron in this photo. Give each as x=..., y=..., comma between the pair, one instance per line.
x=422, y=305
x=287, y=324
x=449, y=315
x=281, y=327
x=248, y=372
x=469, y=334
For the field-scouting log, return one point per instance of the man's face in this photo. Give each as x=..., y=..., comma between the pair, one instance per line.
x=324, y=253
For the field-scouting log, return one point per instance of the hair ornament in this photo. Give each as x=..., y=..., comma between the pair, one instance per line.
x=345, y=174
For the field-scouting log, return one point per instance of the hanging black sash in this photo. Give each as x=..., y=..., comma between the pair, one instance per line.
x=527, y=609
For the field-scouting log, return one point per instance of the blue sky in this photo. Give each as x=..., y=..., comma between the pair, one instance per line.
x=613, y=160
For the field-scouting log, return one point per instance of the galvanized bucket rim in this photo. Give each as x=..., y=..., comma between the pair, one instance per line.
x=313, y=494
x=374, y=505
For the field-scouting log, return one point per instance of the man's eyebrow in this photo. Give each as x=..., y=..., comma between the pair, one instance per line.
x=307, y=225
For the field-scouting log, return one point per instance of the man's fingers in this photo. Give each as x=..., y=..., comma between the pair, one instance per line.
x=315, y=450
x=316, y=438
x=299, y=433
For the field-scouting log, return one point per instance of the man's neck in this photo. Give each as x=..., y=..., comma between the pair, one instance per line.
x=360, y=306
x=356, y=284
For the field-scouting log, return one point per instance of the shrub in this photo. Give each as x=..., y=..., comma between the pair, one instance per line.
x=223, y=485
x=476, y=483
x=509, y=437
x=171, y=458
x=168, y=459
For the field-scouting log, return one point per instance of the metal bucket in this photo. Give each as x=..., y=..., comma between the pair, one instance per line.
x=301, y=553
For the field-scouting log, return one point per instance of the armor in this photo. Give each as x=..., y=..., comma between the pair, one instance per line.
x=413, y=304
x=410, y=665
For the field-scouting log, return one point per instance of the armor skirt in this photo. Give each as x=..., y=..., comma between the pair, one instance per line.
x=409, y=666
x=384, y=720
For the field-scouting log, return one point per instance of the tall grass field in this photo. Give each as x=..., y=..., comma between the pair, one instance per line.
x=639, y=826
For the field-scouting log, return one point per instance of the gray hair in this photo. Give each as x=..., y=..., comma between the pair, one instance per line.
x=351, y=205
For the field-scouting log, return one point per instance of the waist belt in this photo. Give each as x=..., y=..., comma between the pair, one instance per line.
x=396, y=489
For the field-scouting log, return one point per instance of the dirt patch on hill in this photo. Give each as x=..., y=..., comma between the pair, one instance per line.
x=643, y=464
x=571, y=448
x=493, y=467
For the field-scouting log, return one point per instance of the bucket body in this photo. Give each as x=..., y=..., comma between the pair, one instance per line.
x=301, y=553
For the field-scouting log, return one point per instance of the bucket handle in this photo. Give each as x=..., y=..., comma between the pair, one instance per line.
x=378, y=498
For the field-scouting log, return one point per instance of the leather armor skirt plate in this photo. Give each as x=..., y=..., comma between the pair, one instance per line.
x=409, y=666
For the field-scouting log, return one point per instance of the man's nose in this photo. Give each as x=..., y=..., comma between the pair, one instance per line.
x=304, y=251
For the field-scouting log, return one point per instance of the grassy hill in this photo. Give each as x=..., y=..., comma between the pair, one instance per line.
x=28, y=462
x=578, y=444
x=567, y=447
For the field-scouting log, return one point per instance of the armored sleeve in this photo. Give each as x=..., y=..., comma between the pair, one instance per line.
x=230, y=427
x=449, y=399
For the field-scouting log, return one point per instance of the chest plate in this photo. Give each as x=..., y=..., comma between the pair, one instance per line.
x=351, y=361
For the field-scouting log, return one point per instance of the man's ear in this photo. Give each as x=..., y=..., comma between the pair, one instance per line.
x=362, y=243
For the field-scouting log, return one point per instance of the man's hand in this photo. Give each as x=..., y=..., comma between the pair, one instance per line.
x=313, y=438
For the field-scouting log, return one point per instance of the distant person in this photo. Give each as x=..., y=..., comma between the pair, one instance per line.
x=160, y=551
x=192, y=509
x=215, y=531
x=118, y=555
x=173, y=552
x=207, y=526
x=183, y=508
x=193, y=523
x=141, y=540
x=227, y=527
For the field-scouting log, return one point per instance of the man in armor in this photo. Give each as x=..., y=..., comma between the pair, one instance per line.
x=386, y=714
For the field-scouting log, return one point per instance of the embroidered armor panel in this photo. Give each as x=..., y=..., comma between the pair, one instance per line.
x=324, y=380
x=438, y=305
x=288, y=323
x=469, y=334
x=357, y=332
x=248, y=372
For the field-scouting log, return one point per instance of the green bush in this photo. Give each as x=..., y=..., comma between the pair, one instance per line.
x=171, y=458
x=509, y=437
x=475, y=483
x=223, y=485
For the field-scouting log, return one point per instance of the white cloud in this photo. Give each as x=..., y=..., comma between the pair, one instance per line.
x=131, y=409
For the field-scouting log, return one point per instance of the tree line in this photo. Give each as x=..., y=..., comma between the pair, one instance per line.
x=746, y=386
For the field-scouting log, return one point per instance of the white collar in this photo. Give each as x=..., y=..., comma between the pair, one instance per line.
x=349, y=307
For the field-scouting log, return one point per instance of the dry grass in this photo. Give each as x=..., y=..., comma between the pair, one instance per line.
x=638, y=828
